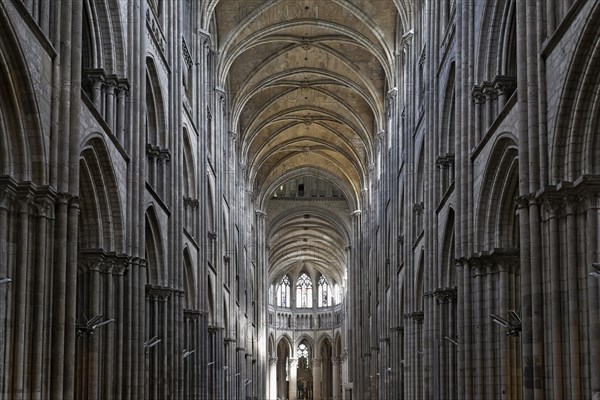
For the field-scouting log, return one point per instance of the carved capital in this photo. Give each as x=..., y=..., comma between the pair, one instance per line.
x=158, y=293
x=416, y=316
x=7, y=195
x=91, y=260
x=164, y=156
x=445, y=296
x=489, y=91
x=477, y=95
x=44, y=207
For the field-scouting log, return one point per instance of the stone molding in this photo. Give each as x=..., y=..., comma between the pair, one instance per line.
x=446, y=295
x=416, y=316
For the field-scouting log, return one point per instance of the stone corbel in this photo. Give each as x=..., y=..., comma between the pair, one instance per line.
x=477, y=95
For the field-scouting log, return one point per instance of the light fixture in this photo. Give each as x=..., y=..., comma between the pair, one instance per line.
x=513, y=327
x=454, y=342
x=148, y=344
x=187, y=353
x=5, y=280
x=91, y=324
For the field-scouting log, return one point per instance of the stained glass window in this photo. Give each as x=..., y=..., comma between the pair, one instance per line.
x=283, y=292
x=323, y=292
x=304, y=291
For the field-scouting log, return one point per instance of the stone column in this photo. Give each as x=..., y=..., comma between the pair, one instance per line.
x=293, y=389
x=317, y=378
x=273, y=377
x=111, y=84
x=122, y=93
x=337, y=388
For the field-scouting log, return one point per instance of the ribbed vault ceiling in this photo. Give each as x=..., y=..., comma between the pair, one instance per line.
x=307, y=83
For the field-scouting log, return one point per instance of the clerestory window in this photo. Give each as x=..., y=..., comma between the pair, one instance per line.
x=304, y=292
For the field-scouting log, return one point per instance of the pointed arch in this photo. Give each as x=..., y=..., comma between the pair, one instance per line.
x=101, y=221
x=576, y=146
x=419, y=281
x=103, y=45
x=285, y=343
x=156, y=121
x=189, y=170
x=210, y=293
x=154, y=248
x=447, y=260
x=189, y=281
x=496, y=208
x=22, y=149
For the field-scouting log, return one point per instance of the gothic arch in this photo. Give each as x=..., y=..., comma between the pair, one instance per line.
x=576, y=147
x=286, y=343
x=496, y=206
x=496, y=45
x=271, y=349
x=337, y=344
x=447, y=261
x=156, y=121
x=101, y=222
x=210, y=294
x=189, y=281
x=210, y=204
x=189, y=170
x=22, y=148
x=419, y=281
x=322, y=340
x=155, y=253
x=103, y=46
x=446, y=141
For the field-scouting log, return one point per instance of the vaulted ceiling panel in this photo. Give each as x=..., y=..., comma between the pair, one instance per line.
x=307, y=82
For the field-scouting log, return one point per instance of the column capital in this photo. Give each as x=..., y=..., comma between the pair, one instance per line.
x=44, y=207
x=293, y=362
x=273, y=361
x=7, y=195
x=260, y=214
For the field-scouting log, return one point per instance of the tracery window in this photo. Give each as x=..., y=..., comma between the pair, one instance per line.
x=304, y=291
x=323, y=288
x=303, y=351
x=283, y=292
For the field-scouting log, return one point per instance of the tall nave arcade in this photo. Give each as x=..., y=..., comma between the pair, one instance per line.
x=300, y=199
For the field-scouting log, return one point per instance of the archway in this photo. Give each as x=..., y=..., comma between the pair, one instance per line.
x=284, y=357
